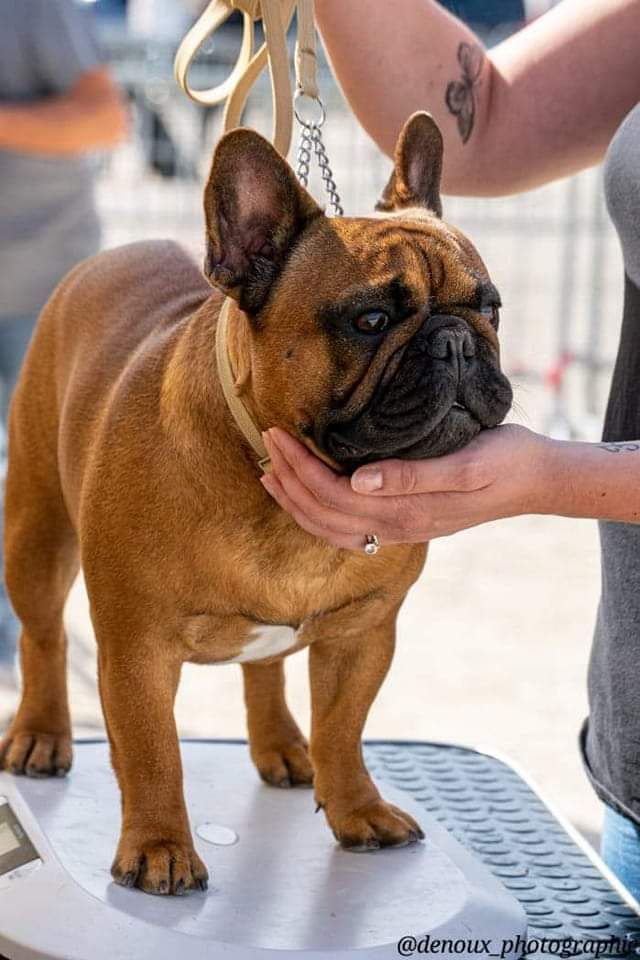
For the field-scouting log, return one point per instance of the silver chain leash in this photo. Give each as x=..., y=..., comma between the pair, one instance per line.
x=311, y=141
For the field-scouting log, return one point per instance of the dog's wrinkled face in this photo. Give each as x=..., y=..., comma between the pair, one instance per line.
x=369, y=337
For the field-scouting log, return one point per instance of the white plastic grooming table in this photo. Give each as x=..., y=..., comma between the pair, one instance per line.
x=496, y=865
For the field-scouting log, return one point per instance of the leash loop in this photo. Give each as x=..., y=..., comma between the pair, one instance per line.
x=276, y=16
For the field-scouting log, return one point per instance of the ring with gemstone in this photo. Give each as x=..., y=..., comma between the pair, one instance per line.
x=371, y=544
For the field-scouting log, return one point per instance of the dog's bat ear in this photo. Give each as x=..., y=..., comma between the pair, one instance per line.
x=255, y=209
x=415, y=181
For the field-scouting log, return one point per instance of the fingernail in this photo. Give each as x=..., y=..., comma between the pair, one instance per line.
x=366, y=481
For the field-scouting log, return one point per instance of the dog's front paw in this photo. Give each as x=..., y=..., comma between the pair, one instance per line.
x=35, y=754
x=376, y=824
x=285, y=765
x=159, y=866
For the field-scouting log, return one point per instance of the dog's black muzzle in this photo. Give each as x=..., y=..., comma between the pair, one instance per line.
x=447, y=387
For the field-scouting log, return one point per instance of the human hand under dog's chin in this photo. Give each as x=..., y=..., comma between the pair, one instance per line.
x=502, y=473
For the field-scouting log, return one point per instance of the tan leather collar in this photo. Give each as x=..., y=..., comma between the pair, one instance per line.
x=236, y=405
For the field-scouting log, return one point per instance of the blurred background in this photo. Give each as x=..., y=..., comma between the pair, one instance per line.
x=494, y=638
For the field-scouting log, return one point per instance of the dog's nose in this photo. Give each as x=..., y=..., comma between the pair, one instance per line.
x=455, y=346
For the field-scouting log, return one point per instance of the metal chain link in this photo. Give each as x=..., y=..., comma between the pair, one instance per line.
x=303, y=156
x=311, y=141
x=325, y=170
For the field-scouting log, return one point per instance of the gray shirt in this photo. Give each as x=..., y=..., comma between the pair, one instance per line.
x=622, y=188
x=47, y=215
x=611, y=738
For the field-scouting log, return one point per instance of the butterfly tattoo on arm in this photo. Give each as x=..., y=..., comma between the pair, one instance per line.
x=460, y=95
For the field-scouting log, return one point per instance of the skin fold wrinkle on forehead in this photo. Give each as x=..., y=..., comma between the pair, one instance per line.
x=387, y=248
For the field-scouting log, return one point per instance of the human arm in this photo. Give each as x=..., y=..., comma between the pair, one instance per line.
x=89, y=116
x=502, y=473
x=546, y=100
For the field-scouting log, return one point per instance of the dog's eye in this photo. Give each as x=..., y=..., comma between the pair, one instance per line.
x=375, y=321
x=492, y=313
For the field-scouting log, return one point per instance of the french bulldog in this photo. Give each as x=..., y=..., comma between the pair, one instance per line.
x=364, y=337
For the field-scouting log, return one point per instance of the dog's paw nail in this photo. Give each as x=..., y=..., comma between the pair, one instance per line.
x=285, y=783
x=38, y=773
x=163, y=886
x=127, y=879
x=202, y=884
x=180, y=888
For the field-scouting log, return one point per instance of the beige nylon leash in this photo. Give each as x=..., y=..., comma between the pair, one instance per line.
x=276, y=16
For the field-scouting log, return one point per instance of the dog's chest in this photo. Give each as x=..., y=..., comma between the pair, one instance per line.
x=266, y=640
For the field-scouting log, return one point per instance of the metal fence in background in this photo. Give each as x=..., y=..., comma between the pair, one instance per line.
x=551, y=252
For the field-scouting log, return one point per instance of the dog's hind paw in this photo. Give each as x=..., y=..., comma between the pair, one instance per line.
x=161, y=867
x=36, y=754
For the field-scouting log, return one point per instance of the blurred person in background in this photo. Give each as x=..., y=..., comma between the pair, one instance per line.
x=57, y=101
x=164, y=21
x=160, y=25
x=549, y=101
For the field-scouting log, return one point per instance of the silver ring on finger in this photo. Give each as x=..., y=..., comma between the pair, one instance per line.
x=371, y=544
